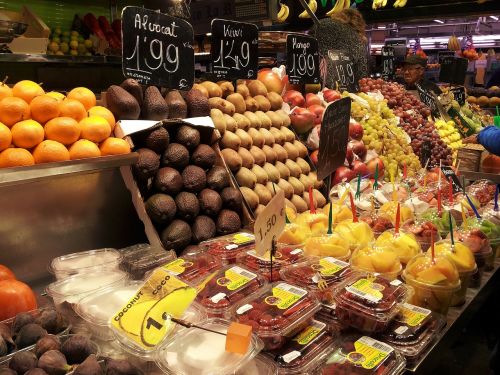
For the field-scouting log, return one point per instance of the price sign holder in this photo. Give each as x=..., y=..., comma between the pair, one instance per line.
x=302, y=59
x=459, y=94
x=269, y=225
x=234, y=50
x=428, y=99
x=157, y=48
x=455, y=181
x=453, y=70
x=388, y=63
x=343, y=71
x=333, y=138
x=144, y=320
x=425, y=153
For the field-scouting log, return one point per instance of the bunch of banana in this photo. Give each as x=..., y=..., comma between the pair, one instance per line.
x=313, y=5
x=453, y=43
x=400, y=3
x=377, y=4
x=283, y=13
x=339, y=5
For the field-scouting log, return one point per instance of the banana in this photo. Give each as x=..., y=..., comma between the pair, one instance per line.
x=283, y=13
x=347, y=4
x=313, y=5
x=400, y=3
x=339, y=5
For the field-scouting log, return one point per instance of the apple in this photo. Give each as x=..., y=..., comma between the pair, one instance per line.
x=312, y=99
x=372, y=165
x=294, y=98
x=349, y=155
x=342, y=174
x=356, y=130
x=359, y=148
x=360, y=168
x=317, y=110
x=314, y=157
x=331, y=95
x=271, y=80
x=302, y=120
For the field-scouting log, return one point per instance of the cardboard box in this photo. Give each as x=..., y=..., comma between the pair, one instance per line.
x=36, y=38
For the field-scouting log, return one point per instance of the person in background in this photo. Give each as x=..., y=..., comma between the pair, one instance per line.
x=489, y=138
x=344, y=31
x=413, y=74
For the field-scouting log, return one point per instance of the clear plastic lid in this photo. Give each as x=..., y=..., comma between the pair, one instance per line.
x=378, y=223
x=316, y=223
x=228, y=247
x=193, y=268
x=85, y=261
x=355, y=355
x=403, y=243
x=294, y=234
x=141, y=258
x=229, y=286
x=491, y=214
x=358, y=235
x=441, y=221
x=390, y=208
x=482, y=190
x=475, y=239
x=459, y=254
x=440, y=272
x=306, y=351
x=328, y=245
x=260, y=365
x=197, y=352
x=422, y=230
x=380, y=260
x=488, y=225
x=276, y=309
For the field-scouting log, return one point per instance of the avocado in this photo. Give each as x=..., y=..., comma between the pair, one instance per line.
x=210, y=202
x=194, y=178
x=123, y=105
x=147, y=165
x=203, y=156
x=188, y=136
x=228, y=222
x=168, y=180
x=197, y=104
x=161, y=208
x=176, y=236
x=154, y=106
x=231, y=198
x=134, y=88
x=203, y=229
x=188, y=206
x=175, y=156
x=217, y=178
x=177, y=107
x=156, y=139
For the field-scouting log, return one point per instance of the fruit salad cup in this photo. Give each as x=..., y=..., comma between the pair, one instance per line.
x=294, y=234
x=316, y=223
x=277, y=312
x=482, y=190
x=380, y=260
x=490, y=225
x=435, y=282
x=390, y=209
x=340, y=212
x=378, y=223
x=227, y=248
x=422, y=230
x=441, y=221
x=332, y=245
x=358, y=234
x=368, y=302
x=403, y=243
x=401, y=191
x=193, y=268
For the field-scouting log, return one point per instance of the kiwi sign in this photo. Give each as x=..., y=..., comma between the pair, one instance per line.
x=157, y=49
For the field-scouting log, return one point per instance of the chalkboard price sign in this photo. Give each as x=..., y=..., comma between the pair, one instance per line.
x=333, y=137
x=449, y=172
x=388, y=63
x=157, y=48
x=234, y=50
x=343, y=71
x=459, y=94
x=302, y=59
x=453, y=70
x=428, y=99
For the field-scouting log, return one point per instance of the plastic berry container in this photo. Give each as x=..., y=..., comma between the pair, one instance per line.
x=412, y=331
x=306, y=351
x=139, y=259
x=277, y=312
x=328, y=316
x=193, y=268
x=363, y=355
x=229, y=286
x=260, y=365
x=284, y=256
x=369, y=303
x=227, y=248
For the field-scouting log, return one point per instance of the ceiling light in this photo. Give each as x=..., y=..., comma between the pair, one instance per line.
x=494, y=17
x=381, y=27
x=209, y=34
x=438, y=21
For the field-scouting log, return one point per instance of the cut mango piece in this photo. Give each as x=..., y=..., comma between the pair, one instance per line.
x=238, y=338
x=431, y=276
x=384, y=261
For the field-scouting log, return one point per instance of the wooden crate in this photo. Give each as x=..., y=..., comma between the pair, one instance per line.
x=470, y=157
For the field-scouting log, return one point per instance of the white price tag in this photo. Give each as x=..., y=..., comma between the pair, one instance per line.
x=270, y=223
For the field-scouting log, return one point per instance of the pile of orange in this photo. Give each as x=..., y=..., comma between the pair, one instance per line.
x=38, y=127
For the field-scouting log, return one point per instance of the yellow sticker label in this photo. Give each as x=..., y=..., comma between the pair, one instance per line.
x=285, y=296
x=330, y=266
x=367, y=289
x=369, y=353
x=178, y=266
x=243, y=238
x=144, y=318
x=310, y=333
x=235, y=278
x=413, y=315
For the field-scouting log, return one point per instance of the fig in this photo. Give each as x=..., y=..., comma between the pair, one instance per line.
x=89, y=367
x=77, y=348
x=53, y=362
x=46, y=343
x=6, y=335
x=20, y=321
x=3, y=347
x=7, y=371
x=22, y=362
x=120, y=367
x=29, y=335
x=51, y=321
x=35, y=371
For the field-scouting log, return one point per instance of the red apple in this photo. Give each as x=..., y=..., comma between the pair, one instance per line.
x=359, y=148
x=312, y=99
x=314, y=156
x=294, y=98
x=331, y=95
x=360, y=168
x=317, y=110
x=349, y=155
x=302, y=120
x=342, y=174
x=271, y=80
x=372, y=165
x=355, y=130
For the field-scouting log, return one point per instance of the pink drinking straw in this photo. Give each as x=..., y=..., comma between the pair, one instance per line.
x=312, y=209
x=353, y=209
x=432, y=249
x=398, y=219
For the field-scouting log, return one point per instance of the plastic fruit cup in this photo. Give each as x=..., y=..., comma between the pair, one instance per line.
x=331, y=245
x=358, y=235
x=484, y=262
x=403, y=243
x=382, y=261
x=293, y=234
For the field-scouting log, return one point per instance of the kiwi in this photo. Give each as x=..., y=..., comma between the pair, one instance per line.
x=265, y=122
x=251, y=198
x=275, y=99
x=246, y=140
x=318, y=184
x=251, y=104
x=286, y=187
x=273, y=188
x=320, y=198
x=281, y=153
x=242, y=89
x=219, y=120
x=301, y=148
x=288, y=134
x=259, y=210
x=294, y=168
x=254, y=120
x=279, y=138
x=291, y=150
x=213, y=89
x=261, y=174
x=298, y=187
x=276, y=120
x=304, y=165
x=264, y=195
x=272, y=172
x=257, y=137
x=246, y=157
x=258, y=155
x=299, y=203
x=263, y=102
x=245, y=177
x=231, y=124
x=271, y=156
x=226, y=87
x=238, y=102
x=283, y=169
x=268, y=137
x=232, y=158
x=223, y=105
x=201, y=88
x=230, y=140
x=284, y=117
x=306, y=181
x=241, y=121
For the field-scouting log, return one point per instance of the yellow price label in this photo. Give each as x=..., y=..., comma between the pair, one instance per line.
x=369, y=353
x=144, y=319
x=367, y=289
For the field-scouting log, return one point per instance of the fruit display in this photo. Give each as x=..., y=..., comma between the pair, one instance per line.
x=478, y=97
x=449, y=134
x=69, y=43
x=482, y=190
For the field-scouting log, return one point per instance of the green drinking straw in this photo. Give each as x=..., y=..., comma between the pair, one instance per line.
x=330, y=218
x=375, y=184
x=496, y=119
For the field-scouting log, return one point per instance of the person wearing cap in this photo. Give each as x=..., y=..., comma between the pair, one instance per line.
x=413, y=74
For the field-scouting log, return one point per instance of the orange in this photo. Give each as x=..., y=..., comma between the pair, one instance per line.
x=13, y=110
x=44, y=108
x=15, y=157
x=27, y=134
x=114, y=146
x=103, y=112
x=5, y=137
x=83, y=149
x=27, y=90
x=49, y=152
x=95, y=128
x=84, y=96
x=56, y=95
x=63, y=129
x=72, y=108
x=5, y=91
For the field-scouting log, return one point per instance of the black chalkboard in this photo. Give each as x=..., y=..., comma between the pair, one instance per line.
x=343, y=71
x=455, y=181
x=388, y=63
x=453, y=70
x=425, y=153
x=459, y=94
x=157, y=48
x=428, y=99
x=234, y=50
x=333, y=137
x=302, y=59
x=444, y=54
